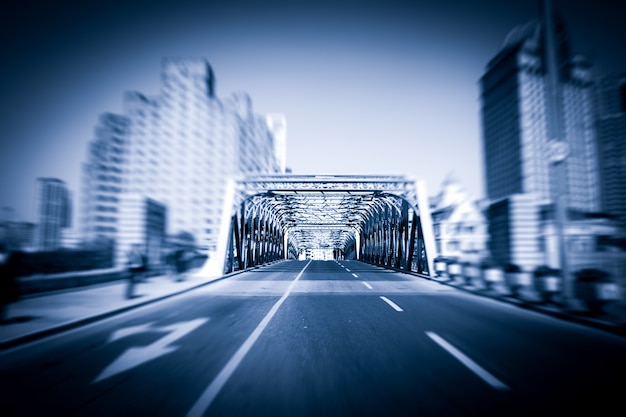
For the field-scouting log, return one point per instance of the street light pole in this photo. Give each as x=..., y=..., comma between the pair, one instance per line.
x=558, y=150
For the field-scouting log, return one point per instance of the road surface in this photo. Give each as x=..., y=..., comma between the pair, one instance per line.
x=318, y=338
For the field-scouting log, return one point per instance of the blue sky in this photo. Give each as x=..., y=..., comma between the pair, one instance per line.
x=367, y=87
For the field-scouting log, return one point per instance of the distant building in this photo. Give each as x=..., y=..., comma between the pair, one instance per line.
x=53, y=213
x=179, y=148
x=103, y=177
x=17, y=235
x=535, y=93
x=143, y=224
x=459, y=224
x=612, y=144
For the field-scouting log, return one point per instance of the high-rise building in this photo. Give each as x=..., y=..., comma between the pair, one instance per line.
x=103, y=178
x=182, y=146
x=539, y=138
x=53, y=213
x=515, y=118
x=612, y=143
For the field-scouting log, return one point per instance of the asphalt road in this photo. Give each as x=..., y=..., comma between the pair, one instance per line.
x=319, y=339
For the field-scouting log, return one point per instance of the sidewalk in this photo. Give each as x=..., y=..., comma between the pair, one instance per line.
x=34, y=317
x=611, y=319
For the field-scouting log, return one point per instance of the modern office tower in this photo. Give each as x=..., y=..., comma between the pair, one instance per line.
x=53, y=213
x=185, y=143
x=537, y=114
x=103, y=178
x=611, y=124
x=515, y=109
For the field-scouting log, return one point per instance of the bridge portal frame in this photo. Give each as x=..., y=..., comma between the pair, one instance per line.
x=384, y=220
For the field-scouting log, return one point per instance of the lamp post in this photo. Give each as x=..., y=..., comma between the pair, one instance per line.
x=558, y=149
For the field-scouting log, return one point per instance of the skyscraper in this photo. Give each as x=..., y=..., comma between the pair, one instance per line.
x=103, y=176
x=612, y=144
x=515, y=118
x=182, y=145
x=53, y=213
x=539, y=137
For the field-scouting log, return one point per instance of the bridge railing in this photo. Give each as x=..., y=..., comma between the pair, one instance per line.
x=594, y=291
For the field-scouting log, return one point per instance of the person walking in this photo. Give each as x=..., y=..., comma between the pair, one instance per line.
x=9, y=291
x=180, y=261
x=136, y=266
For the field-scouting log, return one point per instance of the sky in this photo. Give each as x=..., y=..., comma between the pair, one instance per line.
x=367, y=87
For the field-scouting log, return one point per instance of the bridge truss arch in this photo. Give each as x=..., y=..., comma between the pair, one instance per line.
x=383, y=220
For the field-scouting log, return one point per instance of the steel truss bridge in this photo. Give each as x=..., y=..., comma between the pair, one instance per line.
x=383, y=220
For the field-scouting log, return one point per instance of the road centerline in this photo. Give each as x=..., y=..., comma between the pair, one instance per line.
x=355, y=275
x=367, y=285
x=391, y=303
x=470, y=364
x=209, y=394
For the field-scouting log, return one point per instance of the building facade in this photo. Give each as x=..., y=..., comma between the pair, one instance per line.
x=53, y=213
x=539, y=144
x=103, y=176
x=183, y=145
x=611, y=124
x=515, y=120
x=459, y=224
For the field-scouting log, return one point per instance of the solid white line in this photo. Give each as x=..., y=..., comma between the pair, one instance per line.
x=391, y=303
x=355, y=275
x=471, y=365
x=367, y=285
x=212, y=390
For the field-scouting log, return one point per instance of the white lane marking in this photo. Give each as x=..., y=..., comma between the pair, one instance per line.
x=367, y=285
x=355, y=275
x=347, y=270
x=209, y=394
x=470, y=364
x=136, y=356
x=128, y=331
x=391, y=303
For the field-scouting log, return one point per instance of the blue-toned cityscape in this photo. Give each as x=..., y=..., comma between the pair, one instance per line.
x=192, y=260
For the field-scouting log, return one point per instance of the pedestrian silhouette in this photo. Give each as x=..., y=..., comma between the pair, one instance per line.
x=180, y=260
x=9, y=291
x=136, y=267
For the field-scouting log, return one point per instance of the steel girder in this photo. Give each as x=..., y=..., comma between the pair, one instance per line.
x=374, y=218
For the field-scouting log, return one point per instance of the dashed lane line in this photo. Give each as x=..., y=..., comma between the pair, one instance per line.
x=367, y=285
x=470, y=364
x=355, y=275
x=391, y=303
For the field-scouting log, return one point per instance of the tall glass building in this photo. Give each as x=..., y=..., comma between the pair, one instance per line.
x=182, y=145
x=536, y=94
x=53, y=213
x=103, y=171
x=515, y=126
x=612, y=143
